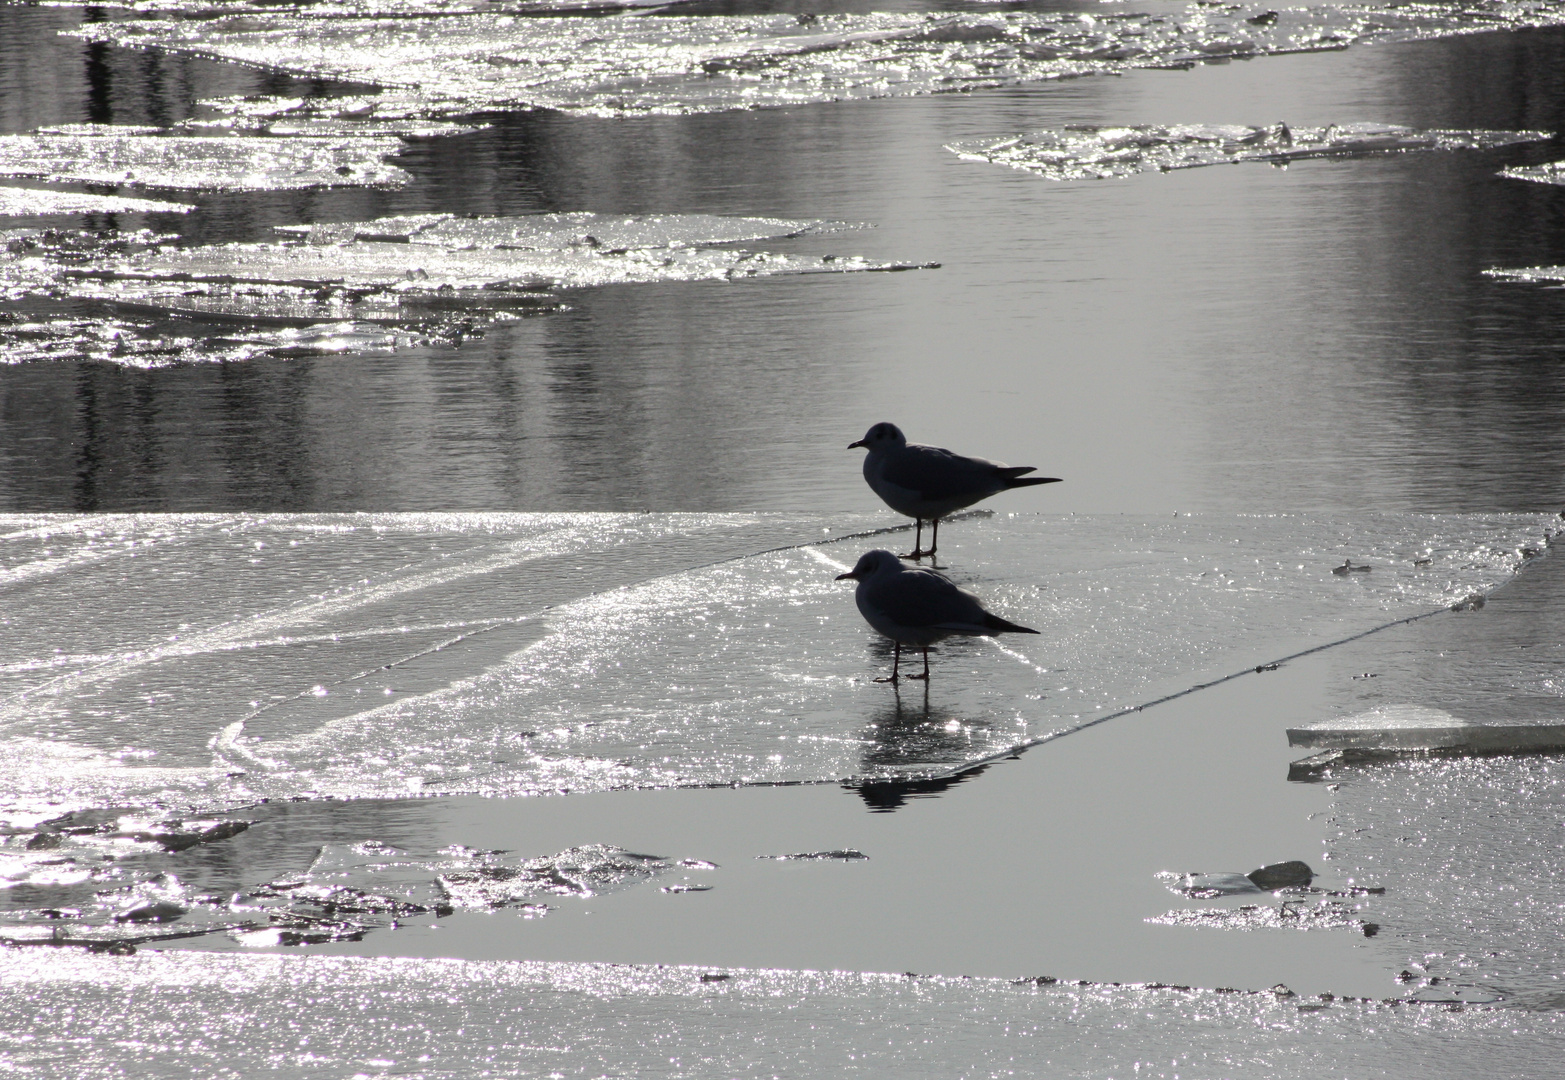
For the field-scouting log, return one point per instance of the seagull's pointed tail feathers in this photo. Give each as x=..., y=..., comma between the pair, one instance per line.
x=1001, y=626
x=1029, y=481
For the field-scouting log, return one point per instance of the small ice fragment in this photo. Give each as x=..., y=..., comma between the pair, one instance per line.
x=1552, y=172
x=1417, y=727
x=845, y=855
x=1086, y=153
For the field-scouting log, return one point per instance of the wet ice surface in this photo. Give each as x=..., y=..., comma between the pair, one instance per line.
x=298, y=1016
x=394, y=654
x=679, y=64
x=1468, y=846
x=35, y=202
x=358, y=286
x=1096, y=153
x=211, y=163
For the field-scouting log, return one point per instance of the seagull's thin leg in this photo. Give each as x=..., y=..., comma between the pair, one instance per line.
x=934, y=537
x=918, y=539
x=925, y=675
x=896, y=657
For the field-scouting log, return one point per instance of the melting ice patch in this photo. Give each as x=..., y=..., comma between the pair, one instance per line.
x=34, y=202
x=213, y=163
x=412, y=654
x=1552, y=172
x=1084, y=152
x=446, y=66
x=360, y=286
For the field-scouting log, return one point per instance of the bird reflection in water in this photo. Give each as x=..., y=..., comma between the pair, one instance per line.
x=910, y=737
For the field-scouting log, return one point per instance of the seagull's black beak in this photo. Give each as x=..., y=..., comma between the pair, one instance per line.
x=851, y=445
x=850, y=574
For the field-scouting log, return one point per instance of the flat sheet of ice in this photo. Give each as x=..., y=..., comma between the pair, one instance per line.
x=1552, y=172
x=1097, y=153
x=357, y=286
x=1535, y=275
x=1414, y=727
x=604, y=233
x=214, y=163
x=457, y=65
x=196, y=1014
x=32, y=202
x=397, y=654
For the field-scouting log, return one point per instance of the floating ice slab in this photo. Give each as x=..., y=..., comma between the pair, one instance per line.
x=1551, y=173
x=1535, y=275
x=419, y=654
x=36, y=202
x=215, y=163
x=603, y=233
x=357, y=286
x=1096, y=153
x=1417, y=727
x=458, y=65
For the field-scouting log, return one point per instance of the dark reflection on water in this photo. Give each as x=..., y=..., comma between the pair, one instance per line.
x=1232, y=339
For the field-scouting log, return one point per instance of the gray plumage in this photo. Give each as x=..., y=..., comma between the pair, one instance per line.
x=917, y=608
x=926, y=482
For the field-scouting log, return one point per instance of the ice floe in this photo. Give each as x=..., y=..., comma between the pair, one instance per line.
x=359, y=286
x=1095, y=153
x=1553, y=276
x=201, y=163
x=461, y=64
x=401, y=657
x=36, y=202
x=1552, y=172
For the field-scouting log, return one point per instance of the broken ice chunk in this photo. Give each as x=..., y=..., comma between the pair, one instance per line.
x=604, y=233
x=32, y=202
x=1535, y=275
x=1552, y=172
x=1418, y=727
x=1082, y=153
x=215, y=163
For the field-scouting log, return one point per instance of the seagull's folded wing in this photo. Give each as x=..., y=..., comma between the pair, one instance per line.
x=919, y=598
x=939, y=474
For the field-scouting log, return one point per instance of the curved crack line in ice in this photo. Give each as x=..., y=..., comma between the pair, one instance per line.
x=238, y=633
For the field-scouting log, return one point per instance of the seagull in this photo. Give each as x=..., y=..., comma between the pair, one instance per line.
x=926, y=483
x=917, y=607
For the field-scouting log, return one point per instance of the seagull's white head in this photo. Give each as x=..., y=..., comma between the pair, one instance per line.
x=872, y=562
x=882, y=436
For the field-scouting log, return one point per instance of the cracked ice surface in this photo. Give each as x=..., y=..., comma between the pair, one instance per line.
x=201, y=1014
x=396, y=654
x=1097, y=153
x=457, y=65
x=214, y=163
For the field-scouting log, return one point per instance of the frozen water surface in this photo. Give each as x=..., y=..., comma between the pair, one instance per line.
x=324, y=288
x=34, y=202
x=210, y=163
x=1094, y=153
x=308, y=1016
x=1552, y=172
x=414, y=654
x=457, y=65
x=1553, y=276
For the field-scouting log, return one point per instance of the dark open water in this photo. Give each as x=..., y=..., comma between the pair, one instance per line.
x=1242, y=338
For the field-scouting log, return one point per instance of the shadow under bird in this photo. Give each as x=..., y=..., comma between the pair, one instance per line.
x=917, y=607
x=926, y=483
